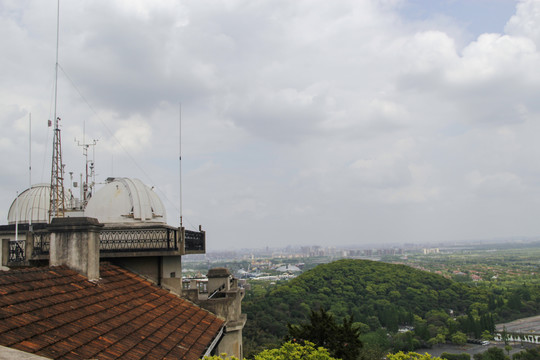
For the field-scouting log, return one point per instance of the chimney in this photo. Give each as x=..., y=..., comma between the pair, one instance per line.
x=75, y=243
x=219, y=279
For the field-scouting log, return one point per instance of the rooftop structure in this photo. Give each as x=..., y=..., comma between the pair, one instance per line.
x=126, y=201
x=58, y=313
x=80, y=307
x=31, y=206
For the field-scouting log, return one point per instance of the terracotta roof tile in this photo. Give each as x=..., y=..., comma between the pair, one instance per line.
x=57, y=313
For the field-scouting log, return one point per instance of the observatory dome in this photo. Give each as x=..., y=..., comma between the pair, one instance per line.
x=124, y=200
x=31, y=205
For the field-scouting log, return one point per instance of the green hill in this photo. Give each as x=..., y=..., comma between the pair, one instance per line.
x=374, y=293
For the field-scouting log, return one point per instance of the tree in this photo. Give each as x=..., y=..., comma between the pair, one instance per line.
x=411, y=356
x=320, y=330
x=362, y=328
x=437, y=339
x=486, y=335
x=405, y=342
x=463, y=356
x=341, y=340
x=493, y=353
x=220, y=357
x=292, y=351
x=514, y=301
x=373, y=322
x=504, y=335
x=375, y=345
x=288, y=351
x=529, y=354
x=459, y=338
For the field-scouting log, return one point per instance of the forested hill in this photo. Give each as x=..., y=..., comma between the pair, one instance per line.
x=374, y=293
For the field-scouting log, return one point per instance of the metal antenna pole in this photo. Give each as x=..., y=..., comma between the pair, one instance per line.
x=57, y=205
x=87, y=185
x=180, y=159
x=29, y=150
x=17, y=217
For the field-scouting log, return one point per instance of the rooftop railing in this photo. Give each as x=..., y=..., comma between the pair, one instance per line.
x=121, y=240
x=135, y=239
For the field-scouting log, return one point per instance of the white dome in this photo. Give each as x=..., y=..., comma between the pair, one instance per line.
x=32, y=204
x=124, y=200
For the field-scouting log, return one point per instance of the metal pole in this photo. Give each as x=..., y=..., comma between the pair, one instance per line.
x=180, y=159
x=29, y=150
x=17, y=217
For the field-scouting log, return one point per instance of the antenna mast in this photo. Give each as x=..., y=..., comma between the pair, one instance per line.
x=30, y=150
x=88, y=186
x=57, y=205
x=180, y=159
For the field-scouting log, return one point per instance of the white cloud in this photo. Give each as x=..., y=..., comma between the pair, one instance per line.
x=133, y=136
x=302, y=116
x=496, y=185
x=494, y=56
x=526, y=21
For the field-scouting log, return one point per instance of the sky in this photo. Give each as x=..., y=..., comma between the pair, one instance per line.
x=347, y=122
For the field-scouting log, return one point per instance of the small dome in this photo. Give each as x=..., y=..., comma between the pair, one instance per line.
x=124, y=200
x=32, y=204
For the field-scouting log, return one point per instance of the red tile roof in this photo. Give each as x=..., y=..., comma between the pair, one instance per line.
x=56, y=312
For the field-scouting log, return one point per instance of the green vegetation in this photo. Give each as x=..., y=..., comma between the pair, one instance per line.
x=288, y=351
x=341, y=340
x=529, y=354
x=450, y=296
x=482, y=267
x=381, y=298
x=295, y=351
x=447, y=356
x=491, y=354
x=376, y=295
x=411, y=356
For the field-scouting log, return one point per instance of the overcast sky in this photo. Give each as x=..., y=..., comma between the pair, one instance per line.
x=303, y=122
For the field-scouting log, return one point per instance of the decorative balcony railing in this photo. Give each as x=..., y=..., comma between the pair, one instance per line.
x=121, y=240
x=195, y=242
x=135, y=239
x=16, y=251
x=42, y=241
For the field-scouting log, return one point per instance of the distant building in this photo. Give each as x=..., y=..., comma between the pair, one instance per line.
x=288, y=267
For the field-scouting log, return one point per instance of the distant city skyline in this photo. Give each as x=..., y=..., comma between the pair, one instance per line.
x=305, y=122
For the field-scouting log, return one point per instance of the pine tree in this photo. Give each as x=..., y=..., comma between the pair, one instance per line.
x=341, y=340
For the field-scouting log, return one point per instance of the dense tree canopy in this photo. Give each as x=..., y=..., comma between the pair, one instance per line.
x=429, y=308
x=528, y=354
x=295, y=351
x=288, y=351
x=342, y=340
x=375, y=294
x=411, y=356
x=493, y=353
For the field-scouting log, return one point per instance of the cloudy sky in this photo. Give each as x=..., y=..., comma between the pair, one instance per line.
x=303, y=122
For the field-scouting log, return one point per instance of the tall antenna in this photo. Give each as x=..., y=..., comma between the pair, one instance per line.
x=29, y=150
x=17, y=217
x=57, y=205
x=90, y=173
x=180, y=158
x=88, y=185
